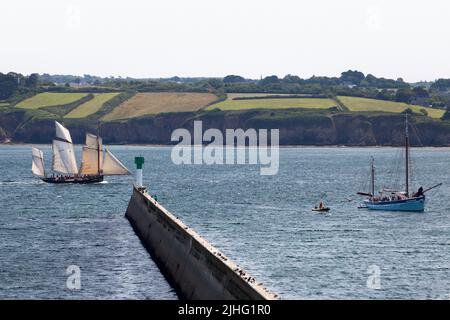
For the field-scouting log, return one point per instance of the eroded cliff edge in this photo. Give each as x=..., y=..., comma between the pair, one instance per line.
x=297, y=127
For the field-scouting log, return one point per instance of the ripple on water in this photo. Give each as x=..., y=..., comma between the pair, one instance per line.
x=265, y=223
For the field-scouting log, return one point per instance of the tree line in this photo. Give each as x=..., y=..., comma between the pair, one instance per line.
x=351, y=83
x=12, y=82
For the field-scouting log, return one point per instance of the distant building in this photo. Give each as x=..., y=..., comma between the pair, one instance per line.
x=79, y=85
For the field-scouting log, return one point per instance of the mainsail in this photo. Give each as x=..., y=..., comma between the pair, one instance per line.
x=57, y=163
x=92, y=156
x=63, y=153
x=37, y=166
x=112, y=166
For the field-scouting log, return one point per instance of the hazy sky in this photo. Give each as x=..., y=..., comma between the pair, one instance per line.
x=160, y=38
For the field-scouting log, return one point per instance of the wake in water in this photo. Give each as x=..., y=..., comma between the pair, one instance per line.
x=32, y=182
x=24, y=182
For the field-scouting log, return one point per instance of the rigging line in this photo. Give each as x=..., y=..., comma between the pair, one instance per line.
x=394, y=170
x=416, y=131
x=366, y=183
x=362, y=181
x=411, y=174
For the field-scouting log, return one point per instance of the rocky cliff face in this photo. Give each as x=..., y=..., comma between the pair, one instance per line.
x=3, y=136
x=9, y=122
x=296, y=128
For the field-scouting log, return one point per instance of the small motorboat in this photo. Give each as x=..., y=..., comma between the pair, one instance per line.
x=321, y=207
x=324, y=209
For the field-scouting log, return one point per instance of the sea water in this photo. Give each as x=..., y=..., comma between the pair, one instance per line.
x=264, y=223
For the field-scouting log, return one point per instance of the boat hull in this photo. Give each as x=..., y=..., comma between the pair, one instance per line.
x=411, y=204
x=74, y=180
x=321, y=210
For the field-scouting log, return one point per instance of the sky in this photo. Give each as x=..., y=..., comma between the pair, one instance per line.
x=214, y=38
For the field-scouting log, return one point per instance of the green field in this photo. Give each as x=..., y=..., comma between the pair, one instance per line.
x=364, y=104
x=48, y=99
x=91, y=106
x=283, y=103
x=231, y=96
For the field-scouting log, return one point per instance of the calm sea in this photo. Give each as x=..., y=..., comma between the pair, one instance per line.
x=265, y=223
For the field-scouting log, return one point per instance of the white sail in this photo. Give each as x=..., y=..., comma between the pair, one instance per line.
x=64, y=157
x=62, y=133
x=57, y=163
x=92, y=155
x=37, y=166
x=112, y=166
x=93, y=142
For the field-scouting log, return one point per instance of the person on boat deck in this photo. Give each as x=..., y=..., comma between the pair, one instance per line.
x=402, y=197
x=418, y=193
x=321, y=205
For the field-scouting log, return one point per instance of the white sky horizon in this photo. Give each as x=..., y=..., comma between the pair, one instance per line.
x=201, y=38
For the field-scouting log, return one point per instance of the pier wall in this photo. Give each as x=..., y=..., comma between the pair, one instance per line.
x=195, y=268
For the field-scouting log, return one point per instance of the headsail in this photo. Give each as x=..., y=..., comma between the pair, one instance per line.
x=92, y=157
x=37, y=166
x=112, y=166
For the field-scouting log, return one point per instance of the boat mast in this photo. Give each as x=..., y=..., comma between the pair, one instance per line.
x=372, y=180
x=98, y=148
x=407, y=157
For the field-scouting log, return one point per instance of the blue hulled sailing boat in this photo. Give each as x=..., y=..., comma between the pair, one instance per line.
x=392, y=200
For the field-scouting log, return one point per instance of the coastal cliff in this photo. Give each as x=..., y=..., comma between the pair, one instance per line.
x=297, y=127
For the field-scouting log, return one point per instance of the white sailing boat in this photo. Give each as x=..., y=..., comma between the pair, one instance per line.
x=95, y=163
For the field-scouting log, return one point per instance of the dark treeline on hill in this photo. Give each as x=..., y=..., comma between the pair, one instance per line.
x=14, y=83
x=441, y=85
x=350, y=83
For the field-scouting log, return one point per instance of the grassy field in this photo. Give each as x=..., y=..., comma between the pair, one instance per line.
x=231, y=96
x=48, y=99
x=364, y=104
x=283, y=103
x=91, y=106
x=153, y=103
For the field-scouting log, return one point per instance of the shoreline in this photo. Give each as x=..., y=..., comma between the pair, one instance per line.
x=25, y=144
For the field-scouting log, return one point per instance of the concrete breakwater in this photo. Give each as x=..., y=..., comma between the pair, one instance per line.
x=194, y=267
